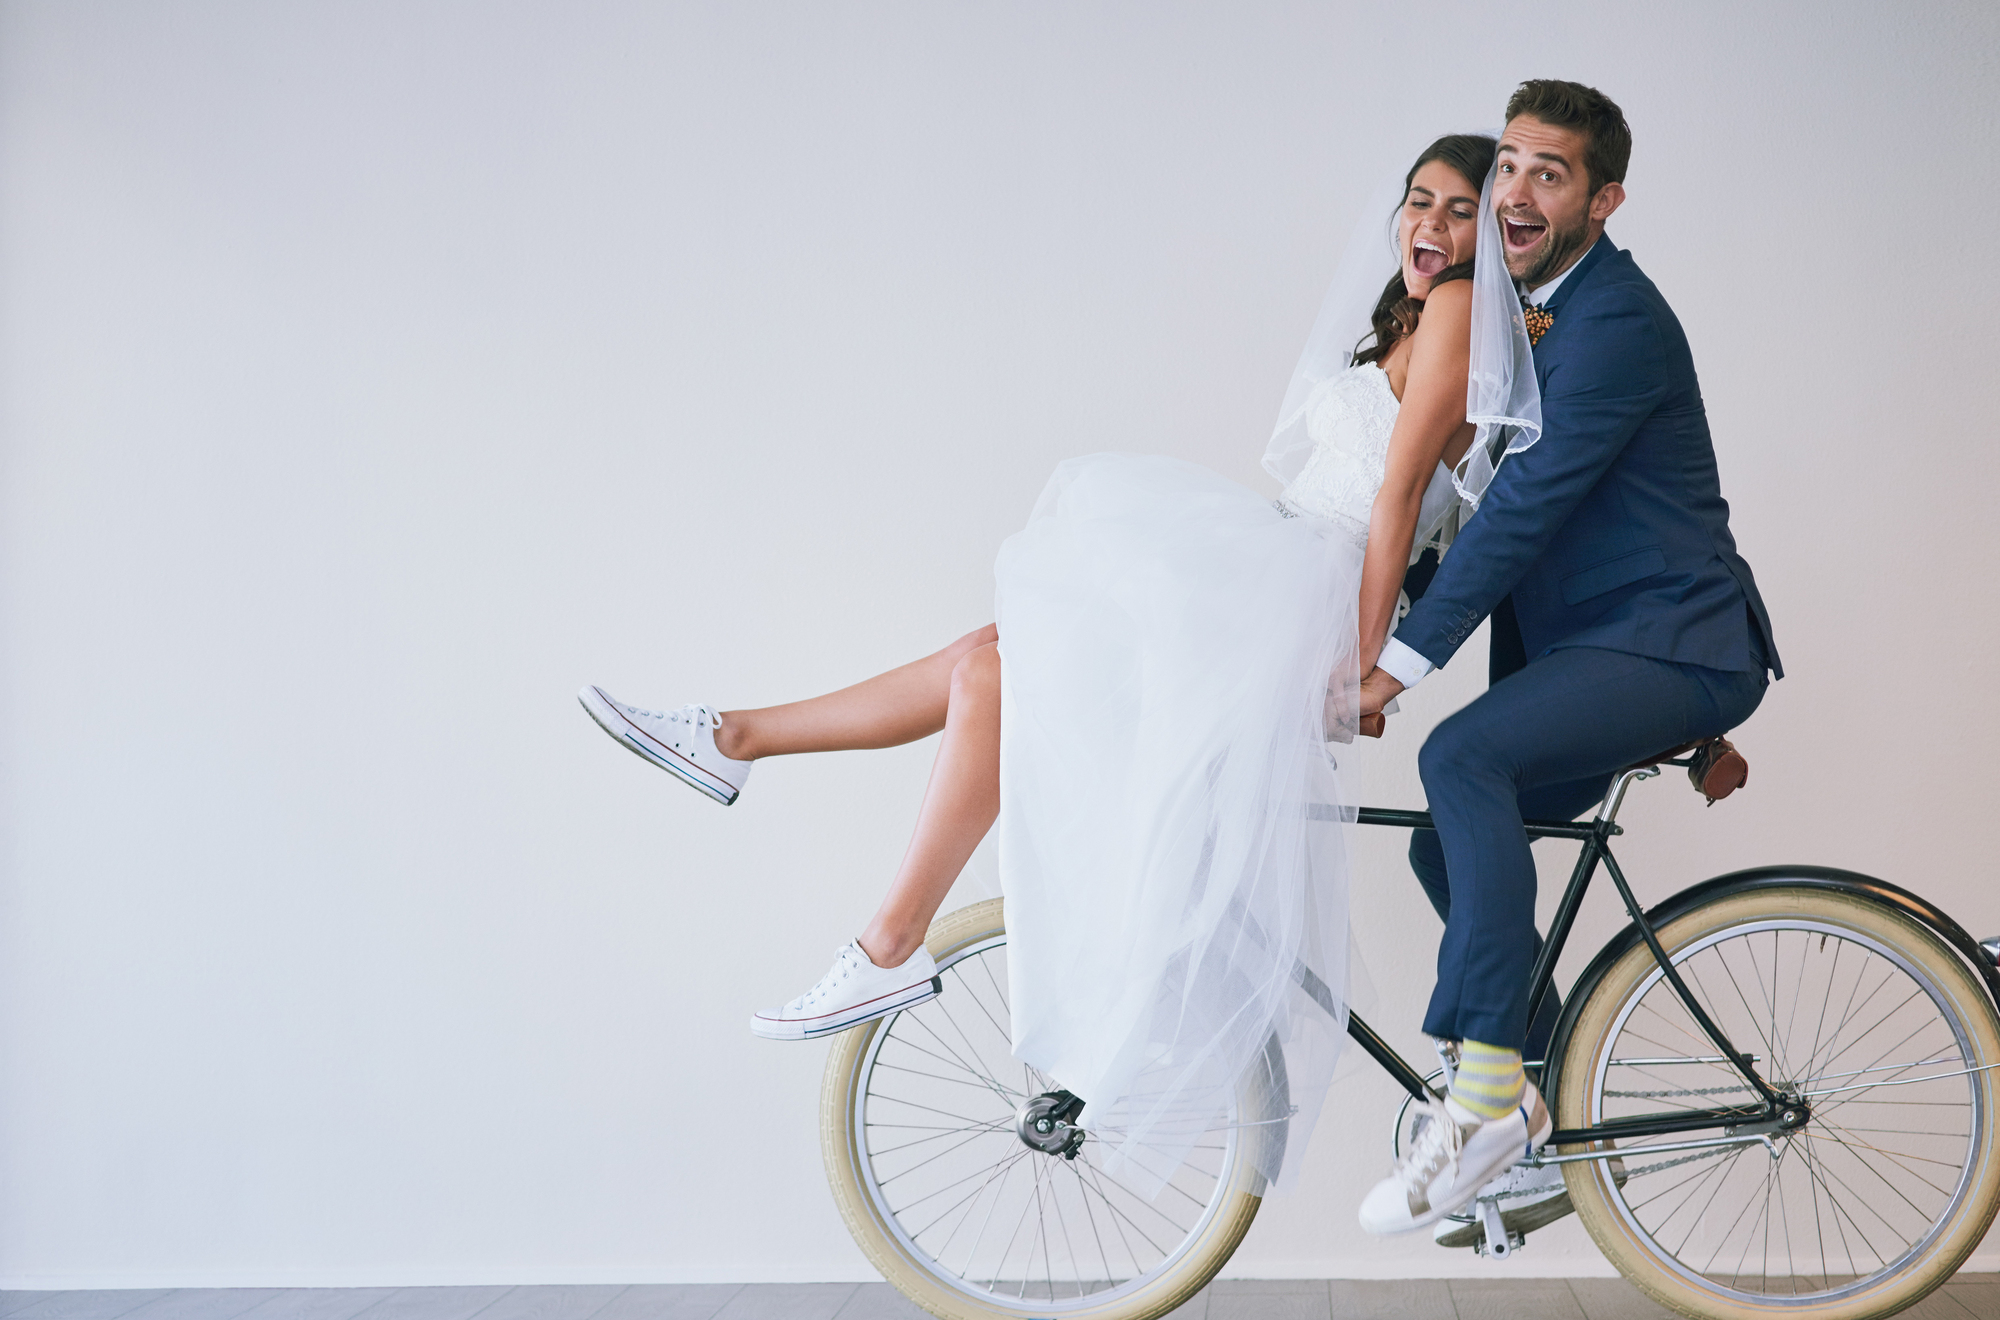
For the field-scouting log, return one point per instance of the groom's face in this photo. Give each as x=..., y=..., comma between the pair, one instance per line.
x=1548, y=215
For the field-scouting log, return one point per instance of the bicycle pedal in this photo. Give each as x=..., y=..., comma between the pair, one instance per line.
x=1498, y=1243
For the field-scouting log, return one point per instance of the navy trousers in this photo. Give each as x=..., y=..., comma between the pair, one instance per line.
x=1543, y=741
x=1564, y=801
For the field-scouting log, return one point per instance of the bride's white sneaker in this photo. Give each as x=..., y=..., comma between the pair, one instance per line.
x=1453, y=1155
x=853, y=992
x=681, y=742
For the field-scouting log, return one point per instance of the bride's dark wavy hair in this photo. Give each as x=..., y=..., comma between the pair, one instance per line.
x=1396, y=312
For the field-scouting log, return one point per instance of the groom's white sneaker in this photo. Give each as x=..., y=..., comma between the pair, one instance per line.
x=681, y=742
x=853, y=992
x=1453, y=1155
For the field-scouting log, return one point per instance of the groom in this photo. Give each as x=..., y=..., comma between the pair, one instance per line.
x=1605, y=548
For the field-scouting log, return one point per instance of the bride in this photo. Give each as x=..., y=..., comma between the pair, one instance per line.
x=1149, y=716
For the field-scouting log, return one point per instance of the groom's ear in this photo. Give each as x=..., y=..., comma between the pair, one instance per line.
x=1608, y=199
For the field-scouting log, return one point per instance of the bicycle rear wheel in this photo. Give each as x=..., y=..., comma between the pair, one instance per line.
x=1855, y=1010
x=918, y=1128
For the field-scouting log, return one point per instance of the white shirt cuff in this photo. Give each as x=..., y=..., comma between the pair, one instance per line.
x=1402, y=663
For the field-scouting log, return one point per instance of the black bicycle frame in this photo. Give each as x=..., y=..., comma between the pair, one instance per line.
x=1595, y=836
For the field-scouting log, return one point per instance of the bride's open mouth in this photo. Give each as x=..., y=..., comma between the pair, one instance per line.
x=1522, y=234
x=1428, y=258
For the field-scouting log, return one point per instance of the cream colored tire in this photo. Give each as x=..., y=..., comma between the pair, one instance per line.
x=1859, y=1172
x=856, y=1069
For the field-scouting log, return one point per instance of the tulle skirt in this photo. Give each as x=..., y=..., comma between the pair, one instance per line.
x=1176, y=654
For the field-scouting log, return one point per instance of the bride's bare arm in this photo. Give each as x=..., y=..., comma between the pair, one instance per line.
x=1430, y=427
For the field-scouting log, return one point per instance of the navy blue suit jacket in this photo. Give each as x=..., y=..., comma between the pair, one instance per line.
x=1611, y=530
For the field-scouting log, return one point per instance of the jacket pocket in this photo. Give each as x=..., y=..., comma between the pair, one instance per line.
x=1613, y=574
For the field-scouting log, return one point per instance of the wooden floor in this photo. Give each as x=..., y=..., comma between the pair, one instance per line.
x=1969, y=1297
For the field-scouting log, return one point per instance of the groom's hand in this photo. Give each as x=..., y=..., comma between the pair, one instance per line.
x=1378, y=689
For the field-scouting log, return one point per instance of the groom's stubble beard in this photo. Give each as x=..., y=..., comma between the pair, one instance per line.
x=1562, y=244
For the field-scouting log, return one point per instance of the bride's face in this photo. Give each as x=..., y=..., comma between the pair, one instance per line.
x=1439, y=226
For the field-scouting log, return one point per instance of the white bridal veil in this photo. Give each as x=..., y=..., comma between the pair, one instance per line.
x=1500, y=398
x=1176, y=871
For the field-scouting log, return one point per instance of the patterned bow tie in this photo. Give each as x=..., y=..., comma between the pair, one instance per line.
x=1539, y=320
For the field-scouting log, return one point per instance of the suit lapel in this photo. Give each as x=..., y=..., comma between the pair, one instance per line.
x=1580, y=273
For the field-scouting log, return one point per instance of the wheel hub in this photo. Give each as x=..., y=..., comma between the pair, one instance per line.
x=1791, y=1115
x=1047, y=1123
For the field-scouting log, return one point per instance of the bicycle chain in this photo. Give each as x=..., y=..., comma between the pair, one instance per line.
x=1630, y=1174
x=1663, y=1164
x=1685, y=1159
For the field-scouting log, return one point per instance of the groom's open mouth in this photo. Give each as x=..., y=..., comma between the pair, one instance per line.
x=1522, y=234
x=1428, y=258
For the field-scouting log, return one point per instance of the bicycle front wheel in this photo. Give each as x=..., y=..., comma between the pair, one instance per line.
x=918, y=1126
x=1860, y=1016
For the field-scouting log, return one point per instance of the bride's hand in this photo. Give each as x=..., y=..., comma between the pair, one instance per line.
x=1378, y=689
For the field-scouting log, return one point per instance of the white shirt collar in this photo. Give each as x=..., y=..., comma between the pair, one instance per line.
x=1541, y=296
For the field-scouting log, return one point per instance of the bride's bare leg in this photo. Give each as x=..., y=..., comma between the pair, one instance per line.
x=889, y=709
x=959, y=807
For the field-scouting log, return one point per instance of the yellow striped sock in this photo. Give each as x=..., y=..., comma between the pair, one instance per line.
x=1489, y=1080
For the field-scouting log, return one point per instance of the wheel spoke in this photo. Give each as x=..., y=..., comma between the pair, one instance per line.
x=992, y=1218
x=1842, y=1217
x=987, y=1222
x=1841, y=1018
x=877, y=1152
x=1703, y=1177
x=999, y=1170
x=1725, y=1168
x=1004, y=1034
x=1701, y=1171
x=1855, y=1043
x=1098, y=1178
x=950, y=1081
x=1000, y=1088
x=1865, y=1204
x=929, y=1160
x=1854, y=1011
x=1118, y=1218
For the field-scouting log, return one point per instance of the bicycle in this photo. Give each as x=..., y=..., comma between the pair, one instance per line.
x=1841, y=1163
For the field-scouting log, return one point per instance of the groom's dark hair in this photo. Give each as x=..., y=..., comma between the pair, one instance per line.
x=1607, y=138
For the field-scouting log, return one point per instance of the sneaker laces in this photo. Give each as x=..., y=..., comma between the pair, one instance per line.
x=843, y=967
x=1436, y=1146
x=691, y=714
x=690, y=718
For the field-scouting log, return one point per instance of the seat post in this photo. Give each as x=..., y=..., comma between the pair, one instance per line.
x=1614, y=797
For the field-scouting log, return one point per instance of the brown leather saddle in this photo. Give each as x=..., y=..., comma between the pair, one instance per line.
x=1714, y=766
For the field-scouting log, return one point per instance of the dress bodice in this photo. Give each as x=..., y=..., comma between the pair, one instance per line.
x=1350, y=418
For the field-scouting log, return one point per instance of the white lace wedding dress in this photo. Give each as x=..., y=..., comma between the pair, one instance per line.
x=1176, y=651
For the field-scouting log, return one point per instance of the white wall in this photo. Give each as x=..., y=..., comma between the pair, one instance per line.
x=374, y=374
